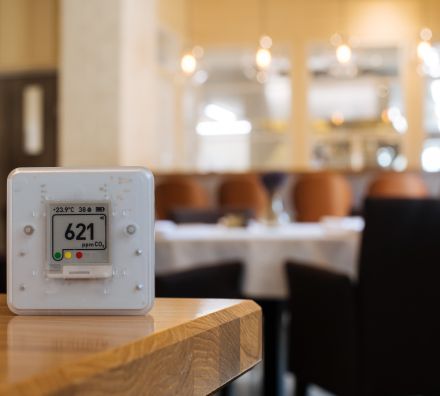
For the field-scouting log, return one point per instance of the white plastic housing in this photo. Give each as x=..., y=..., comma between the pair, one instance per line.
x=129, y=290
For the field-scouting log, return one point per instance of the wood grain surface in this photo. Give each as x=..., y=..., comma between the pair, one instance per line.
x=182, y=347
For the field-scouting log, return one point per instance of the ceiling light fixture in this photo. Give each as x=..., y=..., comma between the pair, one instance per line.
x=188, y=63
x=424, y=45
x=343, y=49
x=189, y=60
x=263, y=57
x=343, y=53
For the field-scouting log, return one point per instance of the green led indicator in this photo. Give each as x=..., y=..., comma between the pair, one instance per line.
x=57, y=256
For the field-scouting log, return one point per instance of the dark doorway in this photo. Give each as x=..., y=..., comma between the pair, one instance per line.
x=28, y=127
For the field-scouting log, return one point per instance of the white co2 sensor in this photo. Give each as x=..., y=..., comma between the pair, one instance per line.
x=80, y=241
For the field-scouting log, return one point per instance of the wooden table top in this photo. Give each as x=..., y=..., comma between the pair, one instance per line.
x=183, y=346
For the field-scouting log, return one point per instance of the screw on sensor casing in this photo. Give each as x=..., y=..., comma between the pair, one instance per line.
x=131, y=229
x=28, y=229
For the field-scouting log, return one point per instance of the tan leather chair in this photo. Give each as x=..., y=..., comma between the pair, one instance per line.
x=243, y=192
x=177, y=193
x=398, y=185
x=321, y=194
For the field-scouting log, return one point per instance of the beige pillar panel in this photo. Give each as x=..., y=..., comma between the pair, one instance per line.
x=89, y=82
x=107, y=82
x=179, y=128
x=413, y=87
x=138, y=135
x=300, y=120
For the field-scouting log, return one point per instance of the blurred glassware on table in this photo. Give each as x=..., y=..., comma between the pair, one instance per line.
x=234, y=220
x=337, y=224
x=275, y=212
x=231, y=217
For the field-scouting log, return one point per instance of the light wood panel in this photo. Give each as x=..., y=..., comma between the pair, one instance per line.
x=28, y=35
x=184, y=346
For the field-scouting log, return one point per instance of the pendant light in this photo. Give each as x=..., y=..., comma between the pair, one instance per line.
x=425, y=36
x=188, y=63
x=189, y=60
x=343, y=49
x=263, y=56
x=424, y=45
x=343, y=53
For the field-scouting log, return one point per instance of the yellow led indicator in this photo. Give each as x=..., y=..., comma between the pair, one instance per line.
x=68, y=255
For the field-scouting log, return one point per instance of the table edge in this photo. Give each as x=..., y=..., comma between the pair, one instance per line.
x=62, y=377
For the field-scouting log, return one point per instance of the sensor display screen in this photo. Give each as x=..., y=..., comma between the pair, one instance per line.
x=78, y=234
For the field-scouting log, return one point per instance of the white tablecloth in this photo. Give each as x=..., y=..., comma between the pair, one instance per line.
x=263, y=249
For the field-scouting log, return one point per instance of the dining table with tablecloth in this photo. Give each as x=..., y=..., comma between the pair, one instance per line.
x=264, y=249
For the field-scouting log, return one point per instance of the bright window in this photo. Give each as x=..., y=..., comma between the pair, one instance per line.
x=355, y=108
x=238, y=116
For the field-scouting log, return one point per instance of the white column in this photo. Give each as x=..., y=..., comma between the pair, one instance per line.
x=138, y=139
x=107, y=74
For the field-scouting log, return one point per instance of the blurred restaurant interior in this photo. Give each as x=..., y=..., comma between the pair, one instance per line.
x=293, y=142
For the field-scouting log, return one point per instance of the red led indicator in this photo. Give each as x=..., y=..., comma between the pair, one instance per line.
x=79, y=255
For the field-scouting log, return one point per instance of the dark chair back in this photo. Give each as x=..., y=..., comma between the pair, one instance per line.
x=222, y=280
x=322, y=330
x=399, y=297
